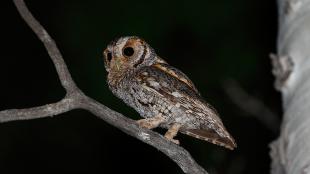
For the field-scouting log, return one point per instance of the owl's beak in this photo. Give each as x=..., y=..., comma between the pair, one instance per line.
x=118, y=63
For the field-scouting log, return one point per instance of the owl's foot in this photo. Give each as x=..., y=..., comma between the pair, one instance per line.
x=172, y=132
x=152, y=122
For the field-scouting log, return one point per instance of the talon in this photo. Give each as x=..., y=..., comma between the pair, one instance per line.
x=145, y=124
x=172, y=132
x=151, y=123
x=169, y=137
x=175, y=141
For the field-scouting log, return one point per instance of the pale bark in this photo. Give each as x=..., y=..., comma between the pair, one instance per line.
x=290, y=153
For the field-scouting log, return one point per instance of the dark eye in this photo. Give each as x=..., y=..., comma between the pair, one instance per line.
x=109, y=56
x=128, y=51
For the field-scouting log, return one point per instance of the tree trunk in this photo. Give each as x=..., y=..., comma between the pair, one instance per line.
x=290, y=153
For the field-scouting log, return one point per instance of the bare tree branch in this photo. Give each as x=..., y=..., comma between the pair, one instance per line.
x=75, y=99
x=64, y=105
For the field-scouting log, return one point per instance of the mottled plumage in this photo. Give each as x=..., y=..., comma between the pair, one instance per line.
x=160, y=93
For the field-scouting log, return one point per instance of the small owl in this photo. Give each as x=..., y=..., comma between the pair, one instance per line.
x=160, y=93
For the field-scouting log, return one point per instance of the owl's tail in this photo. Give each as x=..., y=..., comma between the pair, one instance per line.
x=212, y=137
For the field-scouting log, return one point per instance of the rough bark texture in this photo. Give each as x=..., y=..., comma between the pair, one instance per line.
x=76, y=99
x=290, y=153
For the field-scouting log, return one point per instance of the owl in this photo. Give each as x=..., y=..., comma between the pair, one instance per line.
x=163, y=95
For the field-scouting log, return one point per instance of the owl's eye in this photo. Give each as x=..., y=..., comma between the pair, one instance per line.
x=128, y=51
x=109, y=56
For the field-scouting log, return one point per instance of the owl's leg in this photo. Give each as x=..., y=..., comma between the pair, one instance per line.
x=152, y=122
x=172, y=132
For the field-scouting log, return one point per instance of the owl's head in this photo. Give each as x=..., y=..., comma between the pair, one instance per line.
x=126, y=53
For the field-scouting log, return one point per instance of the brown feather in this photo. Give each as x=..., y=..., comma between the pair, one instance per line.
x=212, y=137
x=165, y=67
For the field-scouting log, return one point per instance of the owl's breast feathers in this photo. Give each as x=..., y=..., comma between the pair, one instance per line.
x=169, y=82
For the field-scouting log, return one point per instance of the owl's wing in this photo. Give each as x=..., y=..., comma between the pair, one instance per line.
x=171, y=83
x=174, y=72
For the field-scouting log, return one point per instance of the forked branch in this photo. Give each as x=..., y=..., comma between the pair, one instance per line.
x=75, y=99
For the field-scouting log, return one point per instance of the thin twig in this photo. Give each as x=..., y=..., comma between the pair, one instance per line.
x=251, y=105
x=76, y=99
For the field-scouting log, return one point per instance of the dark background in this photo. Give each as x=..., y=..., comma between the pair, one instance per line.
x=211, y=41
